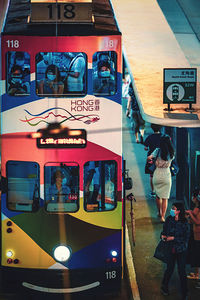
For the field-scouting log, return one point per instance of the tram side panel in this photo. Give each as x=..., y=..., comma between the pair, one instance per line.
x=76, y=232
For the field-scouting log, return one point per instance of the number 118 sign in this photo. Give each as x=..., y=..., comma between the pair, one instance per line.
x=180, y=86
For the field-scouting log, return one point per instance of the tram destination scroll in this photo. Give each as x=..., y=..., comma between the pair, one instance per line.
x=52, y=11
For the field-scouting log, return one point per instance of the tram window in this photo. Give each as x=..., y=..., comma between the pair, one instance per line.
x=18, y=73
x=23, y=186
x=104, y=66
x=100, y=185
x=61, y=187
x=61, y=73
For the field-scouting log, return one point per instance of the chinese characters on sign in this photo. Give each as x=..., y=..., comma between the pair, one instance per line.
x=180, y=86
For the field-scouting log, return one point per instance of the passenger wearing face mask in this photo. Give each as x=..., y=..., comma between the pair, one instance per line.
x=60, y=190
x=19, y=60
x=176, y=232
x=194, y=249
x=16, y=85
x=104, y=82
x=52, y=84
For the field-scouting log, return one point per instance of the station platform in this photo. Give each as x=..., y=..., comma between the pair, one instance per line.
x=150, y=45
x=146, y=272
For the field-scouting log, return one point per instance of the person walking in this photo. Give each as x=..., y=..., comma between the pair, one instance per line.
x=137, y=122
x=176, y=231
x=151, y=143
x=194, y=250
x=162, y=176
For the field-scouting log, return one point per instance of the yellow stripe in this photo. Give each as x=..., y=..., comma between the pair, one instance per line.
x=30, y=255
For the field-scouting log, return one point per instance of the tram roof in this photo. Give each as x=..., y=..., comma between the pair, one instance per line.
x=18, y=22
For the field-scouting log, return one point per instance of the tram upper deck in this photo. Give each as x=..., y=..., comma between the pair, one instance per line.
x=19, y=21
x=149, y=47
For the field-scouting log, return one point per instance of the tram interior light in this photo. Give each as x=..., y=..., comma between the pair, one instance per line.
x=62, y=253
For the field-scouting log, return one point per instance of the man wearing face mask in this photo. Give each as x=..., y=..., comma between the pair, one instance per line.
x=59, y=191
x=104, y=83
x=176, y=232
x=16, y=86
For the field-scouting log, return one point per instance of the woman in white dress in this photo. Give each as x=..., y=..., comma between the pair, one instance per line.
x=162, y=176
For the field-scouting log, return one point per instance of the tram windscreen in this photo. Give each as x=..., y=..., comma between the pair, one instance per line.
x=104, y=67
x=18, y=73
x=61, y=187
x=23, y=186
x=60, y=74
x=100, y=184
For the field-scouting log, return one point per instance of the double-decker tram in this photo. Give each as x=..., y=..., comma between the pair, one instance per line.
x=62, y=204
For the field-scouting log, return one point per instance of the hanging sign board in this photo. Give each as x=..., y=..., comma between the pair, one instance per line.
x=61, y=11
x=180, y=86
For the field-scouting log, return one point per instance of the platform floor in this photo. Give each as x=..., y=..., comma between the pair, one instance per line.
x=149, y=271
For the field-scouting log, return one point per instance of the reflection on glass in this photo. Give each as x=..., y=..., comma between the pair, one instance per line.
x=104, y=73
x=61, y=73
x=100, y=185
x=62, y=187
x=23, y=186
x=18, y=73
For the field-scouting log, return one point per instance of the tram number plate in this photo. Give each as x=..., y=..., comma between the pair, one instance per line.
x=61, y=12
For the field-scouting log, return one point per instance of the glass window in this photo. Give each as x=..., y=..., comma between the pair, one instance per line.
x=23, y=186
x=18, y=73
x=61, y=187
x=61, y=73
x=100, y=185
x=104, y=66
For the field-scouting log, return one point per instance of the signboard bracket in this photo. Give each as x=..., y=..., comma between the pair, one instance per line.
x=168, y=107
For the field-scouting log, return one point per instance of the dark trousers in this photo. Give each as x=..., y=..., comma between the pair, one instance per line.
x=180, y=258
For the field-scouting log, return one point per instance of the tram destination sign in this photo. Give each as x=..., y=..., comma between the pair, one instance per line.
x=180, y=86
x=70, y=139
x=50, y=11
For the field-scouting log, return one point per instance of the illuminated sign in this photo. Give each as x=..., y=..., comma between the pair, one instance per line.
x=61, y=11
x=180, y=86
x=69, y=139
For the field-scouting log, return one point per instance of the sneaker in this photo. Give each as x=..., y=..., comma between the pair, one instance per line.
x=164, y=290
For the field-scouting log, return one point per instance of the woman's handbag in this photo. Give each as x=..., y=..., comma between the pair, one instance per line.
x=150, y=167
x=163, y=251
x=174, y=168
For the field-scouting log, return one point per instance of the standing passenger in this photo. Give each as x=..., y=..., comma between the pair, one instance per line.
x=176, y=231
x=194, y=253
x=138, y=122
x=151, y=143
x=162, y=176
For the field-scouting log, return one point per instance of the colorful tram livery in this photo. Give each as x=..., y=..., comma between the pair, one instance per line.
x=61, y=205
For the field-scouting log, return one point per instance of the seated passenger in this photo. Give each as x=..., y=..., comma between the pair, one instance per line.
x=16, y=86
x=104, y=82
x=51, y=84
x=59, y=191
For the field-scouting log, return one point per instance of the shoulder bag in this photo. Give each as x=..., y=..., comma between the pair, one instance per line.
x=163, y=251
x=174, y=168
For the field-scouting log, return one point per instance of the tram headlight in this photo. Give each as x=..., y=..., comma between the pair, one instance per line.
x=62, y=253
x=114, y=253
x=9, y=253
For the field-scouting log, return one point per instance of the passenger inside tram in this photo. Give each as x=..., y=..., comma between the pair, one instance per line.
x=16, y=85
x=104, y=81
x=59, y=190
x=52, y=83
